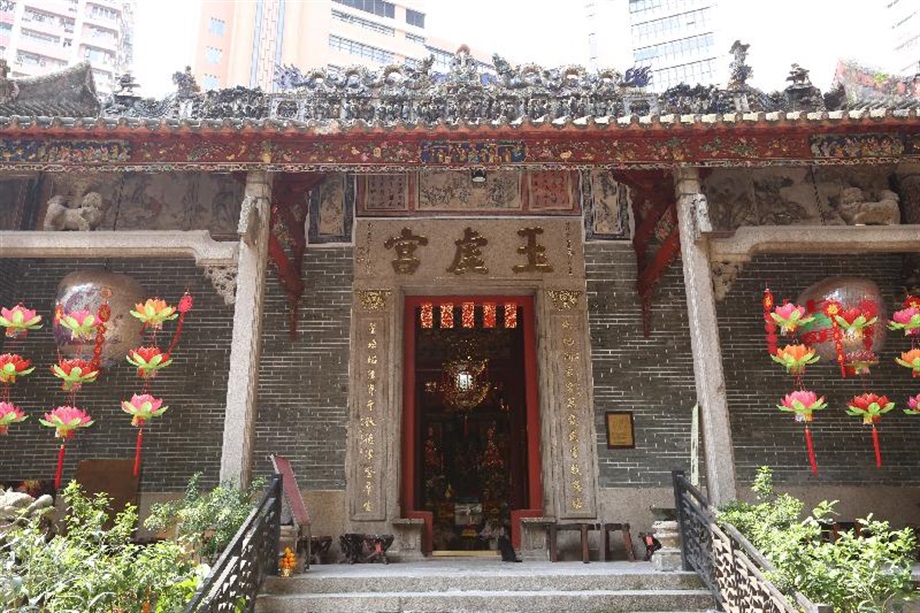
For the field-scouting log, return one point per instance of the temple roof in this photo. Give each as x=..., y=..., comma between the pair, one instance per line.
x=67, y=93
x=405, y=98
x=407, y=117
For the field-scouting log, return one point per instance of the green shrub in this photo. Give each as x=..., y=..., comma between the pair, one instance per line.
x=206, y=521
x=90, y=567
x=854, y=574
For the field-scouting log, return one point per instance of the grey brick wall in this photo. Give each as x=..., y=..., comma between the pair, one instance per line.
x=765, y=436
x=303, y=384
x=653, y=377
x=185, y=440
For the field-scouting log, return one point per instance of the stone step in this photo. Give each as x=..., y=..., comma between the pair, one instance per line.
x=503, y=579
x=493, y=601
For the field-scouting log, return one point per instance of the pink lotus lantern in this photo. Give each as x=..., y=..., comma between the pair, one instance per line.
x=65, y=420
x=142, y=408
x=19, y=320
x=10, y=414
x=804, y=403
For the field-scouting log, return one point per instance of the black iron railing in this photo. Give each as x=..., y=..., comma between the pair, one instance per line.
x=236, y=577
x=732, y=569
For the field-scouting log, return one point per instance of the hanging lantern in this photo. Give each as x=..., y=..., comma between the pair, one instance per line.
x=65, y=420
x=847, y=326
x=142, y=408
x=804, y=403
x=871, y=408
x=92, y=292
x=19, y=320
x=464, y=383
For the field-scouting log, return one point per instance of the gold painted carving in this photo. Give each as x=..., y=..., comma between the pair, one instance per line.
x=374, y=299
x=565, y=299
x=405, y=244
x=536, y=253
x=468, y=257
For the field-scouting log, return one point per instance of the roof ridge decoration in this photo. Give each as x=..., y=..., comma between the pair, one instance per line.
x=414, y=94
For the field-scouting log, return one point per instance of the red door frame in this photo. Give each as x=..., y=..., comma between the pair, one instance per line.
x=408, y=495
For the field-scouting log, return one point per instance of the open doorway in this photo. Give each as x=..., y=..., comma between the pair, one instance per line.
x=471, y=431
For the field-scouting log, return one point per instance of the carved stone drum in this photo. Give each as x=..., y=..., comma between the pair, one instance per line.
x=860, y=346
x=87, y=289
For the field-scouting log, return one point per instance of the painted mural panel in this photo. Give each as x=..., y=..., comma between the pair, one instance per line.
x=141, y=201
x=332, y=205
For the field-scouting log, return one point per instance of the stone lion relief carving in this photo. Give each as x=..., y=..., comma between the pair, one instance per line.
x=82, y=214
x=857, y=210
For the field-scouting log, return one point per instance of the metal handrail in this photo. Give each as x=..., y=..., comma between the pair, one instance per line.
x=730, y=566
x=236, y=577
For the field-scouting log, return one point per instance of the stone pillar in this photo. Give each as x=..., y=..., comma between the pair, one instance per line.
x=693, y=220
x=242, y=382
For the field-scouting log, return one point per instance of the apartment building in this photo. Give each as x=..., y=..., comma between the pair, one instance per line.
x=41, y=36
x=904, y=17
x=678, y=39
x=242, y=43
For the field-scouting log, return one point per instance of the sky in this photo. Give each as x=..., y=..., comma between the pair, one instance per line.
x=812, y=33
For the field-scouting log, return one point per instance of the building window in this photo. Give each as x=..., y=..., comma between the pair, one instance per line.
x=382, y=56
x=212, y=55
x=98, y=56
x=365, y=24
x=376, y=7
x=101, y=12
x=216, y=26
x=40, y=36
x=210, y=81
x=415, y=18
x=415, y=38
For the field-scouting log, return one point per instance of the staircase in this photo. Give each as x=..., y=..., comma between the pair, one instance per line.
x=485, y=586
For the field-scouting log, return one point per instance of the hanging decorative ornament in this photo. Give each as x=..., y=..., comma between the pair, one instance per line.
x=19, y=320
x=74, y=373
x=795, y=358
x=914, y=403
x=789, y=317
x=804, y=403
x=148, y=360
x=910, y=359
x=81, y=324
x=769, y=322
x=142, y=408
x=907, y=319
x=154, y=312
x=65, y=420
x=845, y=311
x=89, y=290
x=871, y=408
x=13, y=366
x=10, y=414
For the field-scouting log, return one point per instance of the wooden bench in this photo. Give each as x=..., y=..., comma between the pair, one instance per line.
x=582, y=526
x=627, y=540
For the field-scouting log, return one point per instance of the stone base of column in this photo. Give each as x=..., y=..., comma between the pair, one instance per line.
x=667, y=559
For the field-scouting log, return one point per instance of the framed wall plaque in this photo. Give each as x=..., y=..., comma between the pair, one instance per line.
x=620, y=430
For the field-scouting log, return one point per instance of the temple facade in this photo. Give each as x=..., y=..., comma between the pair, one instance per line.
x=457, y=300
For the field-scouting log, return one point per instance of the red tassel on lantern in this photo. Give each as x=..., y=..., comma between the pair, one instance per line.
x=185, y=305
x=811, y=451
x=60, y=468
x=769, y=324
x=137, y=451
x=878, y=449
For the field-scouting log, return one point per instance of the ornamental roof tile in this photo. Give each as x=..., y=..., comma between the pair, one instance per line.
x=466, y=99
